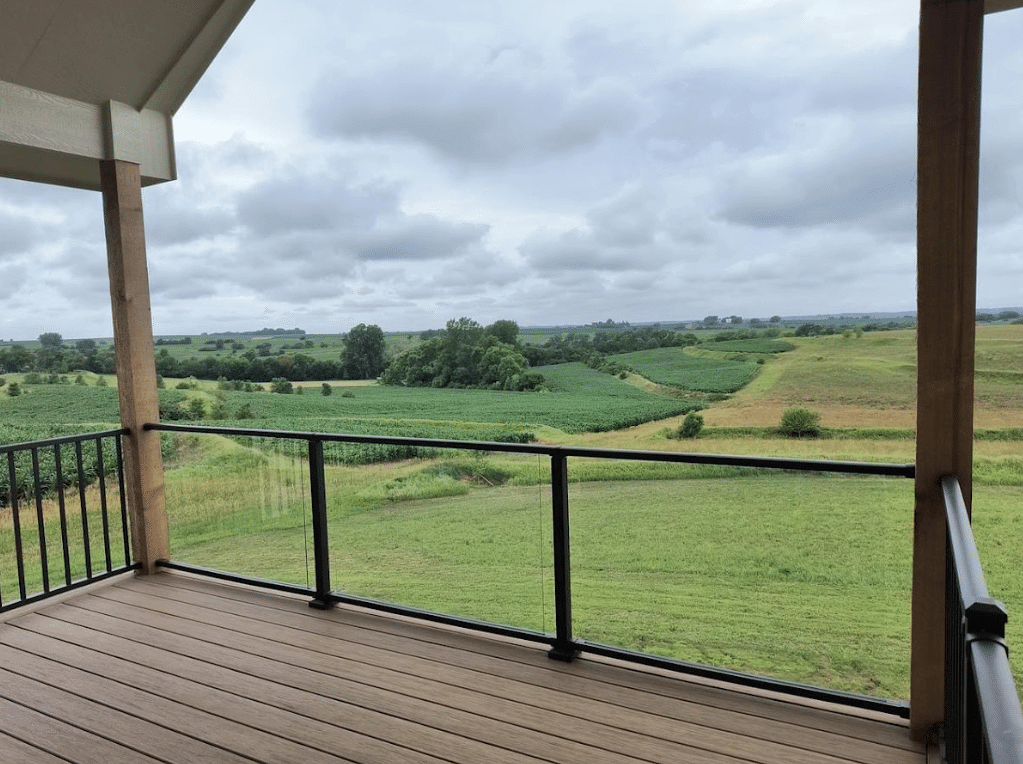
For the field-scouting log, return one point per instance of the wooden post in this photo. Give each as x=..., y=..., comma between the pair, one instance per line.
x=948, y=149
x=136, y=366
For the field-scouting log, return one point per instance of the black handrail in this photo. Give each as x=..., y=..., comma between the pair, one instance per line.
x=27, y=483
x=563, y=644
x=983, y=720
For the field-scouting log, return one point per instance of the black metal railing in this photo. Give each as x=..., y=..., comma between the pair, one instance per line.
x=564, y=645
x=63, y=517
x=983, y=722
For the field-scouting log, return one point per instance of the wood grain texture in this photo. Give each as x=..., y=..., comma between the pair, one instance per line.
x=136, y=366
x=948, y=146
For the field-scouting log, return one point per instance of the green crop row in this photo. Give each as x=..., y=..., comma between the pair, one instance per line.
x=672, y=367
x=762, y=345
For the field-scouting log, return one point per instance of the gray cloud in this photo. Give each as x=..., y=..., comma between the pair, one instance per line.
x=486, y=113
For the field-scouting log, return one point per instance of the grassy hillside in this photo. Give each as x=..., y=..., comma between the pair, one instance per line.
x=870, y=381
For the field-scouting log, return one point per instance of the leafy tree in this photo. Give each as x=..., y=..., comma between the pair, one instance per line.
x=51, y=340
x=1008, y=315
x=800, y=422
x=14, y=389
x=196, y=408
x=14, y=359
x=86, y=347
x=504, y=331
x=775, y=319
x=326, y=389
x=710, y=321
x=363, y=356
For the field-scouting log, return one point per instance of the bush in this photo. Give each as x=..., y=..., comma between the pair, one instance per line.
x=798, y=423
x=691, y=426
x=326, y=389
x=281, y=385
x=244, y=412
x=14, y=389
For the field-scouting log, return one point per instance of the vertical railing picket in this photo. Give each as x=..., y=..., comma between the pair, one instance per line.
x=44, y=568
x=318, y=507
x=104, y=509
x=564, y=648
x=84, y=505
x=125, y=537
x=16, y=521
x=65, y=546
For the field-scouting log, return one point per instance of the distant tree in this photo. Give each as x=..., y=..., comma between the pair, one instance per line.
x=86, y=347
x=775, y=319
x=244, y=412
x=1008, y=315
x=14, y=389
x=196, y=408
x=363, y=356
x=326, y=389
x=735, y=319
x=505, y=331
x=51, y=340
x=710, y=321
x=985, y=317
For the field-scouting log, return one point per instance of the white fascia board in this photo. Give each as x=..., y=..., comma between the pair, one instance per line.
x=57, y=140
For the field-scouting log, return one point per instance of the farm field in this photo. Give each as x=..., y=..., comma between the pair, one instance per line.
x=814, y=588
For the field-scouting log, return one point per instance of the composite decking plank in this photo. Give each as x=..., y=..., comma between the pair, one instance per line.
x=237, y=710
x=797, y=735
x=61, y=739
x=472, y=719
x=891, y=731
x=365, y=685
x=14, y=751
x=149, y=739
x=295, y=687
x=244, y=737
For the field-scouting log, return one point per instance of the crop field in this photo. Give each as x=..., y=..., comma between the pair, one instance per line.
x=750, y=346
x=673, y=368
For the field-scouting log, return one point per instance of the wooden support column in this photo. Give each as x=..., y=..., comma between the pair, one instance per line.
x=947, y=179
x=136, y=366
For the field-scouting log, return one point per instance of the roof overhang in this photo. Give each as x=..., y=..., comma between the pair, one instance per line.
x=85, y=80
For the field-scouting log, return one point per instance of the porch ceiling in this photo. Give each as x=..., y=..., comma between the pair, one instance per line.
x=83, y=80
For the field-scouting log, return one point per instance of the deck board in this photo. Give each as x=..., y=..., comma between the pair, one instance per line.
x=174, y=668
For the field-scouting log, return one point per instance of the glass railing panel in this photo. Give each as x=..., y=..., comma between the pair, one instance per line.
x=802, y=577
x=240, y=504
x=460, y=532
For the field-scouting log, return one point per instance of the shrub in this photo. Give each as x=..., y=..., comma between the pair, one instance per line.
x=691, y=426
x=326, y=389
x=799, y=422
x=244, y=412
x=281, y=385
x=14, y=389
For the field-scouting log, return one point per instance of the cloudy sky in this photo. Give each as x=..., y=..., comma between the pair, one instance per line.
x=403, y=163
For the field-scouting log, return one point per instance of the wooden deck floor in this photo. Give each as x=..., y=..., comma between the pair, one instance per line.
x=177, y=669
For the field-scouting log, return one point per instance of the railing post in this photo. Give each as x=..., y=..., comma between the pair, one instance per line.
x=565, y=648
x=321, y=549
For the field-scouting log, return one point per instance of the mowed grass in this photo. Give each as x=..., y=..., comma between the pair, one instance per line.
x=800, y=577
